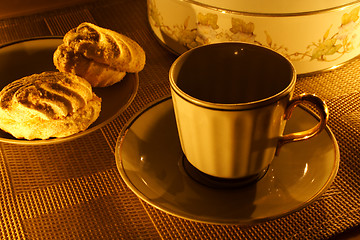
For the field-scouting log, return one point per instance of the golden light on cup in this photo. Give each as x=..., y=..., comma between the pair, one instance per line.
x=231, y=102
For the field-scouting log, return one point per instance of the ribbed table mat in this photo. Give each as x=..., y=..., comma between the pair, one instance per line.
x=73, y=190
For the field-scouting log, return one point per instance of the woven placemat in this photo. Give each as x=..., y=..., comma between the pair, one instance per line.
x=73, y=190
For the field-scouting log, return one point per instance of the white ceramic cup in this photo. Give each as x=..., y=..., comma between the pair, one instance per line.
x=231, y=103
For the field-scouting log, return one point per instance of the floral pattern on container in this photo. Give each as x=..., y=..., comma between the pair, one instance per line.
x=342, y=41
x=330, y=47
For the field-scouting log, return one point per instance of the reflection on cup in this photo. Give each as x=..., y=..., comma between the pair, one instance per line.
x=231, y=102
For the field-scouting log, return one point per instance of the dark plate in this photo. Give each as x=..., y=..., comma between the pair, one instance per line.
x=23, y=58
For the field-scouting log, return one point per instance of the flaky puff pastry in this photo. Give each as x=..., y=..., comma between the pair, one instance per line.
x=101, y=56
x=50, y=104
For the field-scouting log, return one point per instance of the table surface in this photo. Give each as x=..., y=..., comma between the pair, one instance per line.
x=73, y=190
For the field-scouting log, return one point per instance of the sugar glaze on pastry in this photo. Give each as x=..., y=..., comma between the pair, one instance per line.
x=101, y=56
x=50, y=104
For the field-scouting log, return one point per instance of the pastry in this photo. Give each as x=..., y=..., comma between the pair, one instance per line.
x=50, y=104
x=101, y=56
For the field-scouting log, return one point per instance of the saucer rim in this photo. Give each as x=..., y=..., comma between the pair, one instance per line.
x=209, y=220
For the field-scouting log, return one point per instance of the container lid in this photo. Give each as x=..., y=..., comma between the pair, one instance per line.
x=285, y=7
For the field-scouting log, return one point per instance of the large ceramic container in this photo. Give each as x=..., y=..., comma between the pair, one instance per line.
x=316, y=35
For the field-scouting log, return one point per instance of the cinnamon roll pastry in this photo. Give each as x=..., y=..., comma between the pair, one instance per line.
x=50, y=104
x=101, y=56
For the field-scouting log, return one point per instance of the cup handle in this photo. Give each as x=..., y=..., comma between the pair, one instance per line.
x=299, y=136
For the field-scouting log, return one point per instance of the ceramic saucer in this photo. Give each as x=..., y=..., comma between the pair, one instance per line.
x=150, y=160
